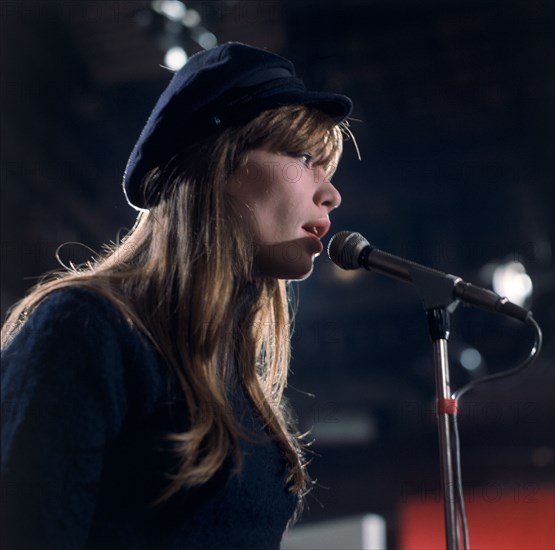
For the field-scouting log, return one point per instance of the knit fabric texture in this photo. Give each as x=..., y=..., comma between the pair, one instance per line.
x=86, y=405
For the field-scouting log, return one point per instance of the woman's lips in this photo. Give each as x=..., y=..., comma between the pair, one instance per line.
x=318, y=227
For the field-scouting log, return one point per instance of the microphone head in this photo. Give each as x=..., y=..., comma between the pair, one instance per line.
x=345, y=247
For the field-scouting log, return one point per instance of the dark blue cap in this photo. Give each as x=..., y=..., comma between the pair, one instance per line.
x=216, y=88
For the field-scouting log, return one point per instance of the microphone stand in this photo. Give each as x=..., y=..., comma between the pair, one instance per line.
x=436, y=293
x=439, y=293
x=438, y=325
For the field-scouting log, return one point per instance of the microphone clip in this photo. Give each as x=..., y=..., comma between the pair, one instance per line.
x=434, y=289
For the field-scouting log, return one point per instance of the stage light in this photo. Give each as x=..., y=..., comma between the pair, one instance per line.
x=512, y=281
x=172, y=25
x=207, y=40
x=175, y=58
x=191, y=19
x=470, y=359
x=172, y=9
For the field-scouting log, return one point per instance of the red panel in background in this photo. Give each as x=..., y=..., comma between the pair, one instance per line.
x=520, y=519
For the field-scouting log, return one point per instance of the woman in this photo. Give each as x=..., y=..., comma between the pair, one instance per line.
x=143, y=392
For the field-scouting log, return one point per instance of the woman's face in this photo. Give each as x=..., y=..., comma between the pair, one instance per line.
x=286, y=200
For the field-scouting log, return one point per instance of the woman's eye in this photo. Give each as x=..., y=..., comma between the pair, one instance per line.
x=306, y=158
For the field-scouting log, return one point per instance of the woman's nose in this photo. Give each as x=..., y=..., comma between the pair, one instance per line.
x=327, y=195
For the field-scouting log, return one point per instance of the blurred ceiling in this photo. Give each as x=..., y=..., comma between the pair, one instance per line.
x=455, y=120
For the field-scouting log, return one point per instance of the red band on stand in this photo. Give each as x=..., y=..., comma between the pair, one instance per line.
x=447, y=406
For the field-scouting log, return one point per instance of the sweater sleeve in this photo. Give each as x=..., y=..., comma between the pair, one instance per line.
x=63, y=401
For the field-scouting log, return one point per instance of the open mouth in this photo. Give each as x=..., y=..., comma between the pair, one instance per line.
x=313, y=231
x=317, y=228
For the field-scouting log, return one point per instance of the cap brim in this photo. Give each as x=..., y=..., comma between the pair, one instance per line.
x=337, y=106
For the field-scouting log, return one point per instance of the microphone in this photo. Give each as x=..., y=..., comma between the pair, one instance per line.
x=350, y=250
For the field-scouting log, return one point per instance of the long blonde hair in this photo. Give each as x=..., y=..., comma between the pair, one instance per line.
x=179, y=277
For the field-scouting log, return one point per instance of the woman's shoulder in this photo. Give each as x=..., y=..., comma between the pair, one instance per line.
x=77, y=334
x=79, y=303
x=80, y=319
x=73, y=310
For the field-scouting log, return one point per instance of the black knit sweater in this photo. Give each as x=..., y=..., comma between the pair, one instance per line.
x=86, y=404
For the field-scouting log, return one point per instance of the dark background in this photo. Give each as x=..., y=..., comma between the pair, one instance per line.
x=455, y=120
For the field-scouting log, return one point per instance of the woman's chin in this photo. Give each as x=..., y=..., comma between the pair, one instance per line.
x=284, y=261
